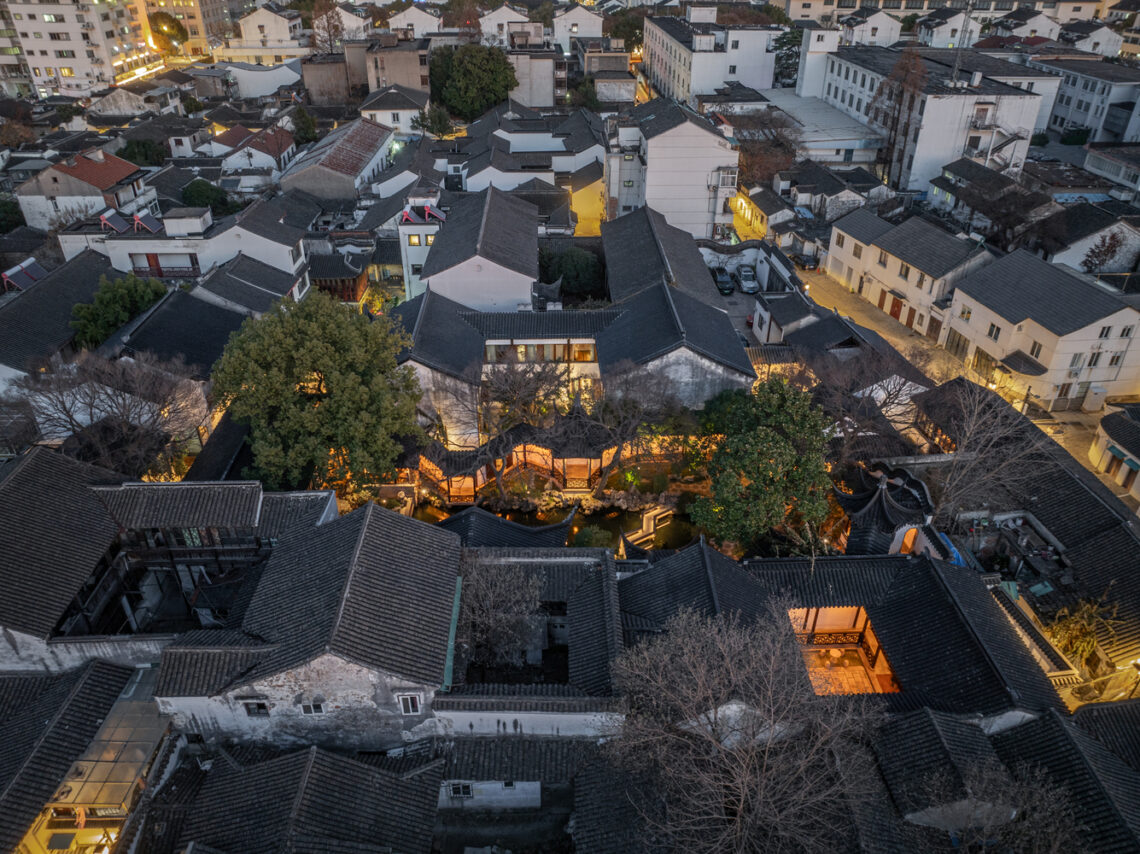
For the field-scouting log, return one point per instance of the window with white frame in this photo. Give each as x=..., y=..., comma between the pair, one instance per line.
x=1035, y=350
x=994, y=332
x=409, y=703
x=965, y=313
x=1105, y=331
x=312, y=708
x=460, y=790
x=256, y=709
x=1115, y=359
x=1126, y=332
x=904, y=270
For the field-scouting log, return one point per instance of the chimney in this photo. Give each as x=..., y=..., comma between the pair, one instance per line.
x=976, y=79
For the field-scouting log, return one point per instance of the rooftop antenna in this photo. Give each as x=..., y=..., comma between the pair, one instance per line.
x=965, y=37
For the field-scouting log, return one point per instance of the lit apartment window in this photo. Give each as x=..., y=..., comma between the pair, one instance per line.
x=965, y=313
x=413, y=240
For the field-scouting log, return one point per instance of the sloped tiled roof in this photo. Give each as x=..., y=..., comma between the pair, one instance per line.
x=46, y=723
x=1104, y=790
x=395, y=97
x=346, y=150
x=1022, y=286
x=662, y=115
x=55, y=531
x=136, y=506
x=551, y=761
x=642, y=249
x=927, y=247
x=274, y=141
x=311, y=801
x=862, y=225
x=921, y=610
x=233, y=137
x=249, y=283
x=492, y=225
x=374, y=587
x=478, y=527
x=187, y=327
x=102, y=172
x=37, y=323
x=1123, y=428
x=1115, y=725
x=441, y=338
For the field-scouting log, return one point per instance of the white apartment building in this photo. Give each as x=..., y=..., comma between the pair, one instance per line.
x=686, y=57
x=1044, y=331
x=1118, y=163
x=827, y=11
x=85, y=184
x=974, y=116
x=75, y=48
x=541, y=76
x=1026, y=23
x=907, y=270
x=415, y=21
x=870, y=25
x=498, y=25
x=575, y=22
x=15, y=75
x=1092, y=36
x=1100, y=96
x=948, y=27
x=665, y=156
x=270, y=35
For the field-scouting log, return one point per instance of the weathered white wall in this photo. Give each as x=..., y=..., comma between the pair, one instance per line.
x=529, y=723
x=492, y=794
x=22, y=652
x=361, y=709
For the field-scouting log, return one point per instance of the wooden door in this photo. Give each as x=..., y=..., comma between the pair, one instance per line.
x=910, y=318
x=933, y=328
x=896, y=307
x=1113, y=466
x=152, y=262
x=882, y=298
x=1129, y=478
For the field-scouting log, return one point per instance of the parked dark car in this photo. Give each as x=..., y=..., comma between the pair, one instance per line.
x=722, y=281
x=806, y=262
x=746, y=279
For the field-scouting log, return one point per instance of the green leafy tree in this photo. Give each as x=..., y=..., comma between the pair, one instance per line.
x=116, y=302
x=439, y=71
x=586, y=95
x=435, y=120
x=168, y=33
x=326, y=400
x=144, y=152
x=66, y=112
x=544, y=14
x=191, y=105
x=10, y=215
x=581, y=271
x=200, y=193
x=766, y=467
x=629, y=24
x=909, y=22
x=304, y=126
x=593, y=536
x=480, y=77
x=787, y=47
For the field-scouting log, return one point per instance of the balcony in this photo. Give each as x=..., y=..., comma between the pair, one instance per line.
x=160, y=272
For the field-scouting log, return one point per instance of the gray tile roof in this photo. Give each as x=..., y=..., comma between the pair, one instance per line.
x=662, y=115
x=395, y=97
x=1123, y=428
x=374, y=587
x=1104, y=790
x=36, y=323
x=1107, y=71
x=282, y=512
x=205, y=662
x=249, y=283
x=1022, y=287
x=927, y=247
x=862, y=225
x=915, y=747
x=547, y=697
x=46, y=723
x=1115, y=725
x=313, y=801
x=661, y=319
x=492, y=225
x=270, y=219
x=551, y=761
x=186, y=327
x=586, y=582
x=541, y=324
x=55, y=532
x=477, y=527
x=1075, y=222
x=920, y=610
x=137, y=506
x=642, y=249
x=441, y=338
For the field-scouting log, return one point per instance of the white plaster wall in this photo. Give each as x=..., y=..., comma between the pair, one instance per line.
x=694, y=378
x=535, y=76
x=415, y=19
x=1124, y=261
x=881, y=30
x=530, y=723
x=22, y=652
x=361, y=709
x=481, y=285
x=681, y=164
x=491, y=177
x=255, y=82
x=39, y=212
x=589, y=26
x=492, y=794
x=402, y=123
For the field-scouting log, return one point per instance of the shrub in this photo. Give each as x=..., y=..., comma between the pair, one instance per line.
x=592, y=536
x=1039, y=139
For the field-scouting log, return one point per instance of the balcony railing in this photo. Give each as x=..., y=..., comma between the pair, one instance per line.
x=168, y=272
